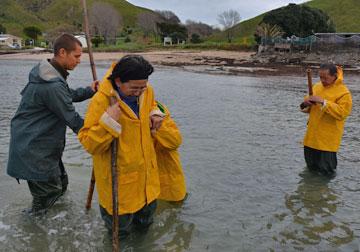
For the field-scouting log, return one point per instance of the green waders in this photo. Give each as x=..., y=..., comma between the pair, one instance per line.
x=141, y=220
x=46, y=193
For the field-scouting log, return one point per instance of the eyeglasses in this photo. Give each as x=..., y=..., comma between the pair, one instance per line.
x=137, y=89
x=134, y=89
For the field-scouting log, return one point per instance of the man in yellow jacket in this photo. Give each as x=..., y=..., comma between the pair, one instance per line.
x=130, y=118
x=328, y=109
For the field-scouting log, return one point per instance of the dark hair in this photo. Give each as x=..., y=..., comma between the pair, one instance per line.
x=131, y=67
x=331, y=67
x=66, y=41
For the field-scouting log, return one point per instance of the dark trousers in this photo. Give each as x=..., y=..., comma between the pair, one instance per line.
x=324, y=162
x=141, y=220
x=46, y=193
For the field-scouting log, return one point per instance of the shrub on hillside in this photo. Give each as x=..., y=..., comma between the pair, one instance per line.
x=299, y=20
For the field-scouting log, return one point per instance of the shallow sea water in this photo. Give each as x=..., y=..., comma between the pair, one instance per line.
x=243, y=160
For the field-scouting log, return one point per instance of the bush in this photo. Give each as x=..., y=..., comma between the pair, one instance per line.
x=97, y=40
x=299, y=20
x=195, y=38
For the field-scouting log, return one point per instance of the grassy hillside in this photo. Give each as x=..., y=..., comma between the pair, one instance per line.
x=344, y=13
x=244, y=30
x=49, y=14
x=14, y=17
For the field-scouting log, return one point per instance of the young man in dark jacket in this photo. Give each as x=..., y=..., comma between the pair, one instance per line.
x=39, y=125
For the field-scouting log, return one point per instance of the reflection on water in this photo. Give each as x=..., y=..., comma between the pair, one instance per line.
x=69, y=228
x=313, y=206
x=170, y=232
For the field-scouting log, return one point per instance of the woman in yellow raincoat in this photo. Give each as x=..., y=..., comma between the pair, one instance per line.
x=130, y=119
x=328, y=109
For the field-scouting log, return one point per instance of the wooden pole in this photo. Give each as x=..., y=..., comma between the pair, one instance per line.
x=90, y=191
x=93, y=70
x=114, y=174
x=88, y=40
x=114, y=146
x=309, y=75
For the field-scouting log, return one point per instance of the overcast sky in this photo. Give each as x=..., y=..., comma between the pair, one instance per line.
x=206, y=11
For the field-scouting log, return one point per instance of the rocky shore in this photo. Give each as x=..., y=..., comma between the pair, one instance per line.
x=225, y=62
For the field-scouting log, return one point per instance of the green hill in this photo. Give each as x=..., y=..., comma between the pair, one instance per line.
x=49, y=14
x=344, y=13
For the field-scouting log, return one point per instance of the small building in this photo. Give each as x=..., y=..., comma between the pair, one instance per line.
x=181, y=41
x=8, y=40
x=82, y=39
x=167, y=41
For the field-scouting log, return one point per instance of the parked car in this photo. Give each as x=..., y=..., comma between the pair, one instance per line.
x=15, y=46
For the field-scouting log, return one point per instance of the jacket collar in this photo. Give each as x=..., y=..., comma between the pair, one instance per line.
x=47, y=72
x=59, y=68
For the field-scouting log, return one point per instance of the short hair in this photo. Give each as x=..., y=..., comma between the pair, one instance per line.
x=66, y=41
x=131, y=67
x=330, y=67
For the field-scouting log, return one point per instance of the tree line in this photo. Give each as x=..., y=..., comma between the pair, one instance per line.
x=107, y=25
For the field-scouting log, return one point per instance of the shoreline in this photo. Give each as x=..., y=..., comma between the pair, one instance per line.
x=208, y=61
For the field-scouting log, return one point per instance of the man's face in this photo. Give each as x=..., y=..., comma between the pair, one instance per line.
x=71, y=59
x=326, y=78
x=132, y=87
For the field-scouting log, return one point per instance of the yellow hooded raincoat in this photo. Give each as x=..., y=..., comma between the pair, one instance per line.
x=167, y=141
x=326, y=123
x=138, y=176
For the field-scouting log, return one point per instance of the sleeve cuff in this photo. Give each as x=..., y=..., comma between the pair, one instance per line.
x=90, y=92
x=323, y=105
x=157, y=112
x=110, y=125
x=305, y=110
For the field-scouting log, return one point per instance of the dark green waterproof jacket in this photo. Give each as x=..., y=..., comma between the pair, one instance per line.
x=38, y=128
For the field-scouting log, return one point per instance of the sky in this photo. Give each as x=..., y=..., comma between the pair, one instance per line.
x=206, y=11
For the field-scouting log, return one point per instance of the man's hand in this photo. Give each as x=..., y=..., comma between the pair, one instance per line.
x=155, y=122
x=114, y=111
x=94, y=86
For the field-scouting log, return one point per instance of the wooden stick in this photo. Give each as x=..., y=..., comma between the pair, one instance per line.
x=309, y=75
x=114, y=149
x=88, y=40
x=114, y=175
x=90, y=191
x=115, y=197
x=93, y=70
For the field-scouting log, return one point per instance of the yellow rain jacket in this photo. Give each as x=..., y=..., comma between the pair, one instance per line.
x=138, y=176
x=326, y=123
x=167, y=141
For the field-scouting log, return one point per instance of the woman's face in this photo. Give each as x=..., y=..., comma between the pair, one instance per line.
x=326, y=78
x=132, y=87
